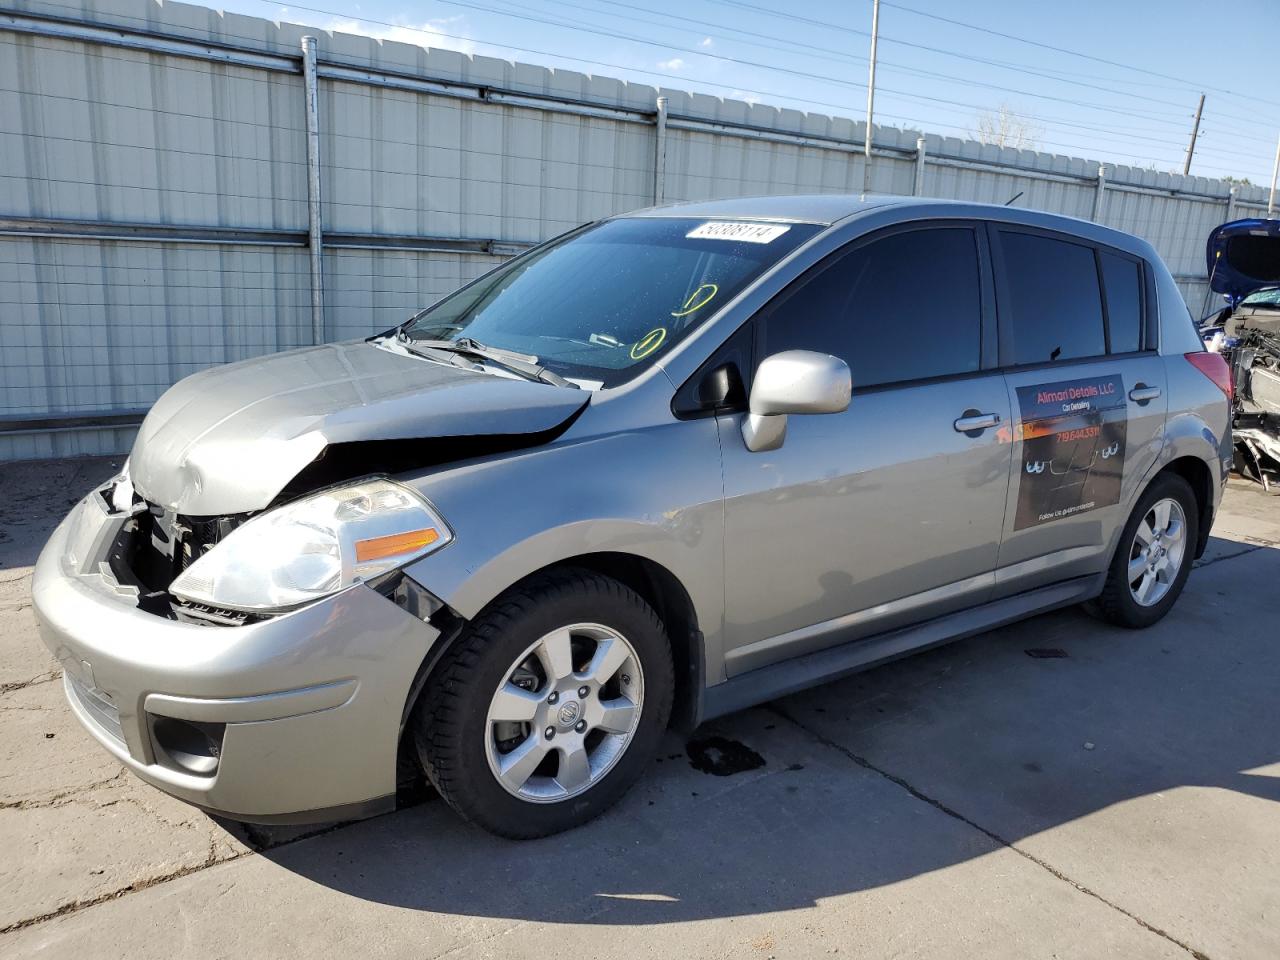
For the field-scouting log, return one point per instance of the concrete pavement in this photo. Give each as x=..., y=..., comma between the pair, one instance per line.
x=1108, y=793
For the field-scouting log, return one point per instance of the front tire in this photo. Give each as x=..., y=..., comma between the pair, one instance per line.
x=1154, y=556
x=549, y=706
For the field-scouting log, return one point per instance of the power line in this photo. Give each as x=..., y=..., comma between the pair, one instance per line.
x=668, y=47
x=1121, y=146
x=772, y=43
x=843, y=56
x=736, y=88
x=826, y=25
x=1184, y=109
x=995, y=33
x=1073, y=53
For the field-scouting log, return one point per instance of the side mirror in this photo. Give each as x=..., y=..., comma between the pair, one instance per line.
x=794, y=381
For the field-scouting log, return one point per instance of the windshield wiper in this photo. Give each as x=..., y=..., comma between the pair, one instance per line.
x=522, y=364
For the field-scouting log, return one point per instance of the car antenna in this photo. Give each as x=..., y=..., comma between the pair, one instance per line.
x=1014, y=197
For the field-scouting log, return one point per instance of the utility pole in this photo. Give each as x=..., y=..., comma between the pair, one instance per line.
x=1195, y=132
x=315, y=231
x=871, y=97
x=1275, y=170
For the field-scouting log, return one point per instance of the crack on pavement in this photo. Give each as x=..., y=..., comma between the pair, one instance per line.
x=505, y=931
x=1249, y=544
x=957, y=815
x=11, y=686
x=260, y=839
x=150, y=811
x=75, y=906
x=1202, y=563
x=64, y=797
x=211, y=860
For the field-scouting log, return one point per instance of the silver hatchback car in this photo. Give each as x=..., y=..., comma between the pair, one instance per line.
x=653, y=471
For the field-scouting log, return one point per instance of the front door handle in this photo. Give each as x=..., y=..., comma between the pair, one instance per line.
x=1141, y=393
x=975, y=422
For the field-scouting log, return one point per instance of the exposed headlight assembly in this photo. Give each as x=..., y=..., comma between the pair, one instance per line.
x=314, y=547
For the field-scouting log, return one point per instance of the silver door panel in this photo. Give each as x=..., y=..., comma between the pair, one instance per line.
x=1080, y=543
x=884, y=511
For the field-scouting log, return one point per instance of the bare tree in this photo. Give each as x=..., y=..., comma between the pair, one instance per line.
x=1004, y=127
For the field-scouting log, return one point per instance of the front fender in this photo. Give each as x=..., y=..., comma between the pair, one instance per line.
x=654, y=493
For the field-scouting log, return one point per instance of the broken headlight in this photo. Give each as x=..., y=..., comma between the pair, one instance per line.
x=314, y=547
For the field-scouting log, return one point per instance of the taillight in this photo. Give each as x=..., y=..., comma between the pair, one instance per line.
x=1214, y=366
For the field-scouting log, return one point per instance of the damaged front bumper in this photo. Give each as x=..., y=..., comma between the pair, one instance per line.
x=294, y=718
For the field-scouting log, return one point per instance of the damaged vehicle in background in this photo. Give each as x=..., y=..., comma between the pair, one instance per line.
x=1244, y=266
x=651, y=472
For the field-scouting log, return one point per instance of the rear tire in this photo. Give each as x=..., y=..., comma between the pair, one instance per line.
x=503, y=729
x=1154, y=555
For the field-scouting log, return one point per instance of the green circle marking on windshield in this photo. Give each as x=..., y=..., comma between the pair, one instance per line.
x=650, y=342
x=697, y=300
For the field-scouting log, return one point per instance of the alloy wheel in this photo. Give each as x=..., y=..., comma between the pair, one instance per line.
x=564, y=714
x=1158, y=549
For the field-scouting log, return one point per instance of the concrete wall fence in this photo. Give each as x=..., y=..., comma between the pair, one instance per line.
x=157, y=216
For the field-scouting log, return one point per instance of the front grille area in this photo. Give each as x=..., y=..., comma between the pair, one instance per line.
x=175, y=542
x=98, y=706
x=155, y=545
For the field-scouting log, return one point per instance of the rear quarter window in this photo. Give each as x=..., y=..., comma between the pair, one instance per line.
x=1122, y=286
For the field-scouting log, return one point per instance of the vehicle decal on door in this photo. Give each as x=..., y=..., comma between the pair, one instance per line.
x=1073, y=443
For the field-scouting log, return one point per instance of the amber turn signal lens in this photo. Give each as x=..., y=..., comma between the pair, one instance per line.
x=377, y=548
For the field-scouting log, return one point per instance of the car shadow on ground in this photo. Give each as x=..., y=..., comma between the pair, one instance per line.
x=916, y=766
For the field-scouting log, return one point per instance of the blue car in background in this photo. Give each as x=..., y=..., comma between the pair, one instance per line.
x=1243, y=260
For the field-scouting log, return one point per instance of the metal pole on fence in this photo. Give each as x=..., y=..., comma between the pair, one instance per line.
x=1195, y=132
x=917, y=185
x=660, y=154
x=871, y=97
x=1100, y=194
x=314, y=234
x=1232, y=195
x=1275, y=170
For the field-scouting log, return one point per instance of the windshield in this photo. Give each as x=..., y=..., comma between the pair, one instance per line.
x=605, y=303
x=1262, y=298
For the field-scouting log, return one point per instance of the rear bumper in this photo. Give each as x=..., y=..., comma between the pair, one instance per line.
x=305, y=708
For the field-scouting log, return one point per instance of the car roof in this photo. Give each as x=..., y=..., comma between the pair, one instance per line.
x=824, y=209
x=829, y=209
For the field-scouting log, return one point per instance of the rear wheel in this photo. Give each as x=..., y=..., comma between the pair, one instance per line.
x=1154, y=556
x=549, y=706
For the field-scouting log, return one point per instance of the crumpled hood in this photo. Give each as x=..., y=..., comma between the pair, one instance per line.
x=227, y=440
x=1243, y=256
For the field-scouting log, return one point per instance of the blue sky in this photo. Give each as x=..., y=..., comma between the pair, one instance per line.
x=1133, y=103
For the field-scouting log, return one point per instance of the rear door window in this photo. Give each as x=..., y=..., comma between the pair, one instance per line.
x=1122, y=286
x=1051, y=300
x=904, y=307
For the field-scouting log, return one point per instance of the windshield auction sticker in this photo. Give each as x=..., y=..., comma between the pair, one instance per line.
x=1073, y=440
x=741, y=232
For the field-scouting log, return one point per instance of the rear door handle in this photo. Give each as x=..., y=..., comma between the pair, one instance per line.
x=1141, y=393
x=976, y=422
